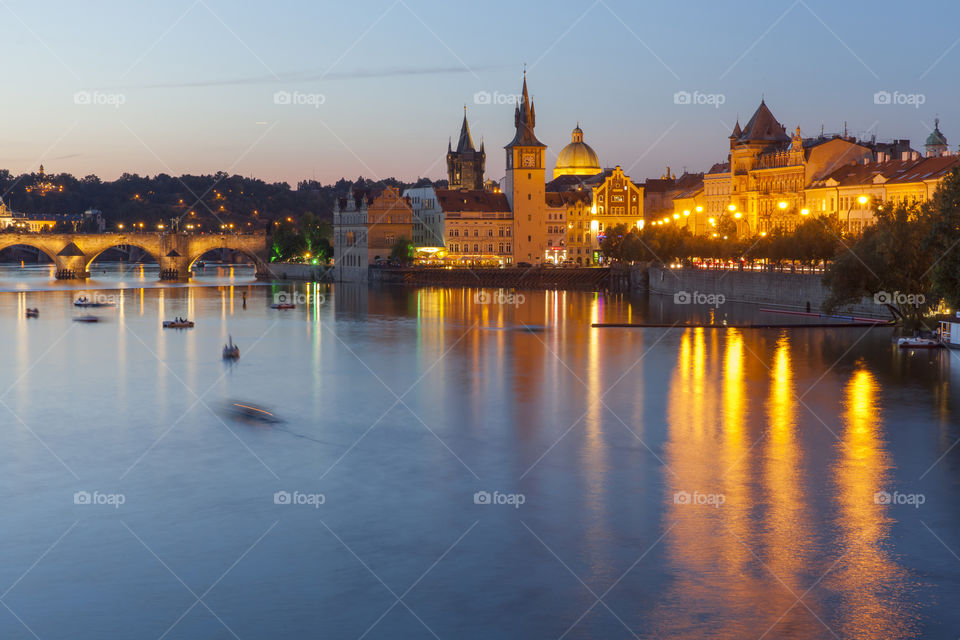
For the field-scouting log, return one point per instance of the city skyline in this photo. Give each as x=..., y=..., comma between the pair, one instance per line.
x=202, y=88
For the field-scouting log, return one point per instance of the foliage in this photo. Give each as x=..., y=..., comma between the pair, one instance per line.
x=403, y=251
x=890, y=257
x=944, y=240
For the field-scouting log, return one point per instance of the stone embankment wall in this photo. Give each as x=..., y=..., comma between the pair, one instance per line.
x=790, y=290
x=293, y=271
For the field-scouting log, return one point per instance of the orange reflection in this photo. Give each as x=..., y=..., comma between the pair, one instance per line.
x=871, y=583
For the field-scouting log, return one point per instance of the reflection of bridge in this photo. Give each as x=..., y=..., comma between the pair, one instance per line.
x=74, y=252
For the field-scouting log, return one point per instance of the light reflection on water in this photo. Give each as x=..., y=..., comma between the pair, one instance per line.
x=600, y=429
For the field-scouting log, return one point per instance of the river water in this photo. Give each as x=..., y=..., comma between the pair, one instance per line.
x=461, y=464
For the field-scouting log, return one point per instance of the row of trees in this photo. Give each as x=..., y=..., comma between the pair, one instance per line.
x=309, y=239
x=812, y=242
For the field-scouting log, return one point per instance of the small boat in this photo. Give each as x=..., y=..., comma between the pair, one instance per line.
x=85, y=302
x=179, y=323
x=200, y=264
x=33, y=313
x=87, y=319
x=918, y=343
x=230, y=350
x=283, y=305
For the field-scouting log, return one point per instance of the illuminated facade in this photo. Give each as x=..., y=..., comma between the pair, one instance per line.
x=478, y=226
x=770, y=169
x=427, y=216
x=465, y=165
x=524, y=185
x=852, y=193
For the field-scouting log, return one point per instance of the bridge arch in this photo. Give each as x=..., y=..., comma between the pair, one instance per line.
x=19, y=241
x=100, y=250
x=254, y=258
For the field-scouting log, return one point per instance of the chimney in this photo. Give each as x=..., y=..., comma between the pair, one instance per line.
x=904, y=155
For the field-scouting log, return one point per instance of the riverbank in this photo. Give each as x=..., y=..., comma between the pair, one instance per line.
x=799, y=291
x=294, y=271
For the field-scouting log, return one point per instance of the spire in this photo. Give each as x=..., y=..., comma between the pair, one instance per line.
x=525, y=119
x=466, y=140
x=737, y=131
x=449, y=145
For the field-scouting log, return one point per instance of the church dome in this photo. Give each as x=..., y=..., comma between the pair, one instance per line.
x=577, y=158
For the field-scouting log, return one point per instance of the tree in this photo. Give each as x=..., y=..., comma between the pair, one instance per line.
x=944, y=240
x=890, y=258
x=403, y=251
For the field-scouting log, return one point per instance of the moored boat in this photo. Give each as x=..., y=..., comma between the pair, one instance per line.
x=918, y=343
x=33, y=313
x=87, y=319
x=283, y=305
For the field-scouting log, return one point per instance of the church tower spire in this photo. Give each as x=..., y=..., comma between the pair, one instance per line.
x=465, y=165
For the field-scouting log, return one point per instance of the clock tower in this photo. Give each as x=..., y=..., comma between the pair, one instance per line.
x=526, y=184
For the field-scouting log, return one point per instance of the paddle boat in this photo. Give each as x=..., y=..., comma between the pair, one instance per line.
x=33, y=313
x=86, y=302
x=283, y=305
x=230, y=350
x=179, y=323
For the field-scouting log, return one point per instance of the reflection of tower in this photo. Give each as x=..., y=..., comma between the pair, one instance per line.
x=465, y=165
x=525, y=184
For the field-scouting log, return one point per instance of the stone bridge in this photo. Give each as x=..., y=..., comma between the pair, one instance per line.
x=174, y=252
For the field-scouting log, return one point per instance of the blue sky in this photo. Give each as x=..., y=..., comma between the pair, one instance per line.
x=376, y=87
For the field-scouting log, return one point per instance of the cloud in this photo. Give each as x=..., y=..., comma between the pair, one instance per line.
x=314, y=75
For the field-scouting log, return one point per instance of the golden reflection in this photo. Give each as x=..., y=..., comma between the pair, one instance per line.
x=871, y=583
x=788, y=544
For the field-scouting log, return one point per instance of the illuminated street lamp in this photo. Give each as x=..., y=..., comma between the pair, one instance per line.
x=804, y=212
x=737, y=215
x=699, y=209
x=676, y=216
x=862, y=199
x=120, y=226
x=782, y=204
x=686, y=212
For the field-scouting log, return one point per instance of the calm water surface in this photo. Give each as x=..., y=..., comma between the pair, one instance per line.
x=675, y=483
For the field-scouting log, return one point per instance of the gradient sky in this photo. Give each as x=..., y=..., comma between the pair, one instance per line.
x=197, y=80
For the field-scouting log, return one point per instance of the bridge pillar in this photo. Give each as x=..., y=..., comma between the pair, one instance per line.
x=175, y=268
x=72, y=268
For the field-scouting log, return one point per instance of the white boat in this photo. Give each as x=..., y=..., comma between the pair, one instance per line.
x=918, y=343
x=230, y=350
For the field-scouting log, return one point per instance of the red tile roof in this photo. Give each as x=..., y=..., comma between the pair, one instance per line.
x=895, y=171
x=458, y=200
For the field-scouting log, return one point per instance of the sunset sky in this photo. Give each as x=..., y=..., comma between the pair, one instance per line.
x=376, y=87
